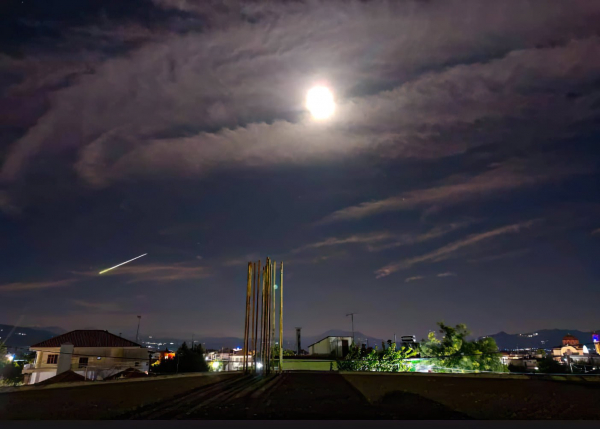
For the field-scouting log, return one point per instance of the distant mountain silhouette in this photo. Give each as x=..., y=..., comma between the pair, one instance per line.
x=544, y=338
x=25, y=337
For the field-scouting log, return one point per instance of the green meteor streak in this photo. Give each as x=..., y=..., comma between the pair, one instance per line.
x=122, y=263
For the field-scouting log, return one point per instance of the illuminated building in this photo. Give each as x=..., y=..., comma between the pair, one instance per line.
x=166, y=354
x=570, y=347
x=94, y=354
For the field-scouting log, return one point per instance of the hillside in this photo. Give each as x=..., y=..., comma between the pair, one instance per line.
x=24, y=337
x=545, y=338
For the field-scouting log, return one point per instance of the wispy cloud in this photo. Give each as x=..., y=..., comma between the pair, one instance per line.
x=369, y=238
x=408, y=239
x=447, y=251
x=506, y=255
x=511, y=175
x=105, y=307
x=412, y=279
x=447, y=274
x=23, y=286
x=377, y=241
x=155, y=272
x=235, y=262
x=333, y=255
x=596, y=231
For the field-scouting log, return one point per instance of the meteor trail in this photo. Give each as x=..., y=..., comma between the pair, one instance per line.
x=122, y=263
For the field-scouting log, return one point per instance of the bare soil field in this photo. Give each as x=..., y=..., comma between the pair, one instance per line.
x=485, y=398
x=98, y=400
x=312, y=395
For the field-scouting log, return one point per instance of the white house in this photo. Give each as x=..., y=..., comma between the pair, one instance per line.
x=95, y=354
x=336, y=346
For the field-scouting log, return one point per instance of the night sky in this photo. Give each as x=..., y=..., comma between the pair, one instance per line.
x=457, y=180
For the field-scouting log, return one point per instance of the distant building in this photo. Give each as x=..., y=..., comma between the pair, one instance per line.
x=408, y=341
x=328, y=346
x=166, y=354
x=95, y=354
x=230, y=360
x=572, y=348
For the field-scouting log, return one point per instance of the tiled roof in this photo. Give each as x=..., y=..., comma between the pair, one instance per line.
x=88, y=338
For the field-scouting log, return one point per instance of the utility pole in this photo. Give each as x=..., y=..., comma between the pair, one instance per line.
x=281, y=320
x=352, y=317
x=137, y=334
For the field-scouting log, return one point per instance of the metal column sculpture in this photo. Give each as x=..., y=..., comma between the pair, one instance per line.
x=261, y=298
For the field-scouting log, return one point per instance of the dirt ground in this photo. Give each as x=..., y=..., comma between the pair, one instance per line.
x=484, y=398
x=313, y=395
x=323, y=396
x=99, y=401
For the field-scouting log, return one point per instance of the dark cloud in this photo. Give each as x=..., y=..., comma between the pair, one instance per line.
x=217, y=81
x=179, y=127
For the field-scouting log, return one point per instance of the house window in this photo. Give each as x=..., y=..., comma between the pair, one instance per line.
x=137, y=364
x=52, y=359
x=83, y=362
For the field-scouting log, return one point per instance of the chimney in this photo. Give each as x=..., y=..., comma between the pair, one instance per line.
x=64, y=358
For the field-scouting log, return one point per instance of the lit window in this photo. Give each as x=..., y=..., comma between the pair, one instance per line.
x=52, y=359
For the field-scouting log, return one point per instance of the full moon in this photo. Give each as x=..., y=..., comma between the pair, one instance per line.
x=319, y=101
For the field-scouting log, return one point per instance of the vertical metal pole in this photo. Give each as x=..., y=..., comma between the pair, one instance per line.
x=257, y=301
x=281, y=320
x=262, y=320
x=274, y=270
x=268, y=320
x=247, y=321
x=253, y=342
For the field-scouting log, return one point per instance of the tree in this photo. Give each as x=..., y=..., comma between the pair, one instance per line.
x=186, y=360
x=12, y=373
x=275, y=352
x=389, y=359
x=550, y=366
x=454, y=351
